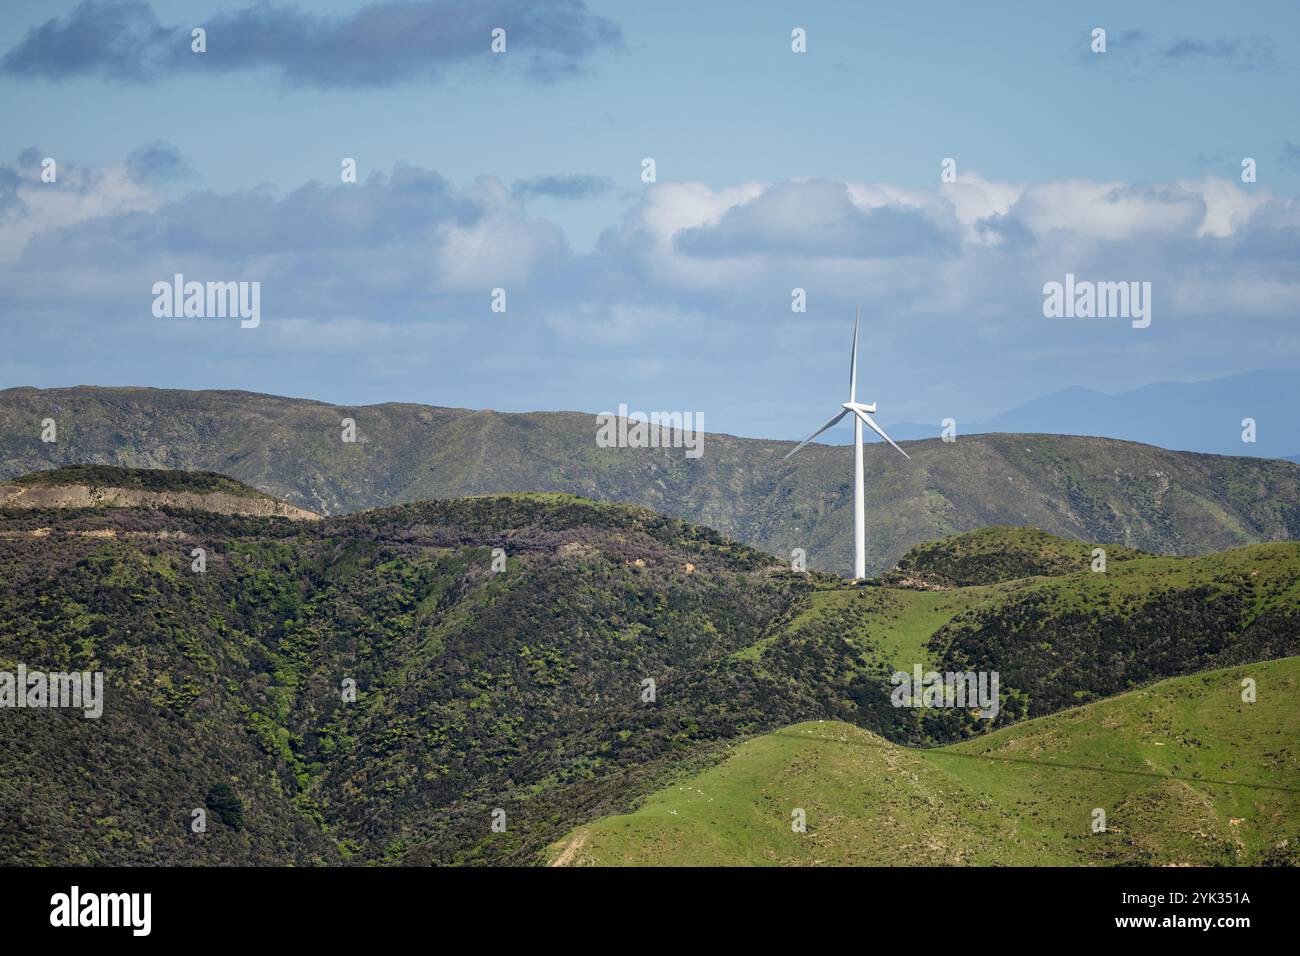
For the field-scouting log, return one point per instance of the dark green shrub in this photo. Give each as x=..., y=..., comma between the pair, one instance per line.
x=225, y=803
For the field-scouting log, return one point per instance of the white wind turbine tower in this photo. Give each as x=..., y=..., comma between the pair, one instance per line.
x=861, y=417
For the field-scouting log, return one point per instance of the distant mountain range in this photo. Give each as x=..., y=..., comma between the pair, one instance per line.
x=1185, y=416
x=1093, y=489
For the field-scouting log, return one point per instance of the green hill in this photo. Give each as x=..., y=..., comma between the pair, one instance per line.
x=539, y=654
x=1055, y=640
x=1087, y=489
x=1077, y=637
x=995, y=554
x=475, y=690
x=1185, y=771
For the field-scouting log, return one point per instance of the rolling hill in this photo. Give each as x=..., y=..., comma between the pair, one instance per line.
x=474, y=689
x=600, y=651
x=1089, y=489
x=90, y=486
x=1186, y=772
x=1056, y=639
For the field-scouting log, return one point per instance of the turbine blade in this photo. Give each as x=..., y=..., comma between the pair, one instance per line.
x=866, y=420
x=853, y=362
x=833, y=421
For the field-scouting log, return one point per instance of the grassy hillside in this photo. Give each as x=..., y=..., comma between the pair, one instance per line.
x=1073, y=638
x=1056, y=640
x=1089, y=489
x=1186, y=772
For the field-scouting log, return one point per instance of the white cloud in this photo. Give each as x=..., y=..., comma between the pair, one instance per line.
x=690, y=290
x=499, y=249
x=78, y=194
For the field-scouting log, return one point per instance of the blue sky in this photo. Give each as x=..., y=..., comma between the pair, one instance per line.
x=775, y=170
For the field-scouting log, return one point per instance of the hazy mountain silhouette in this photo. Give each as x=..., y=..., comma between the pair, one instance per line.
x=1184, y=416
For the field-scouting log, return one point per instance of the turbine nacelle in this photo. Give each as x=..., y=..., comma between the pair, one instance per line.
x=860, y=407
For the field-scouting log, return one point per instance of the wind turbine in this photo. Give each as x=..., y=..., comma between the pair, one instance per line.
x=861, y=417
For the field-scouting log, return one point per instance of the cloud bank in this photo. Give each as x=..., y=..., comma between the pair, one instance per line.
x=382, y=44
x=689, y=293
